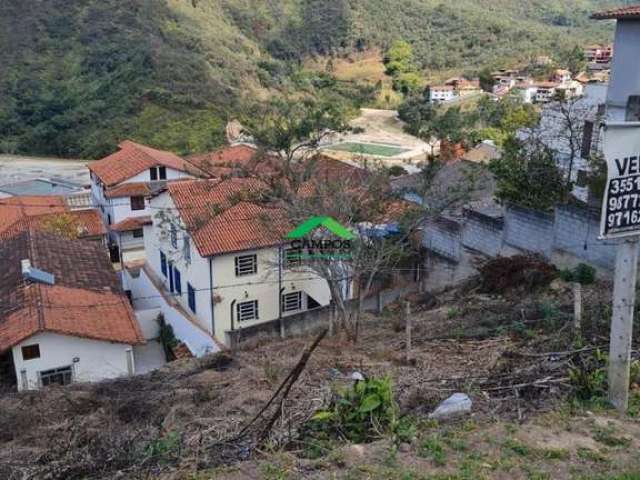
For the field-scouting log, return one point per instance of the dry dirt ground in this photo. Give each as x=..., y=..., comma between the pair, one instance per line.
x=15, y=168
x=182, y=422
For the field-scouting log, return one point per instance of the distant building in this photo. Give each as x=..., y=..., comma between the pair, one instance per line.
x=545, y=91
x=601, y=54
x=463, y=86
x=442, y=93
x=561, y=76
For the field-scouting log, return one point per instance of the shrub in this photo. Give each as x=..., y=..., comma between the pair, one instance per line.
x=583, y=273
x=360, y=413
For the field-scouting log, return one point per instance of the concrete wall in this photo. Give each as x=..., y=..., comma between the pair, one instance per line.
x=312, y=320
x=566, y=237
x=483, y=233
x=443, y=236
x=576, y=233
x=529, y=230
x=96, y=360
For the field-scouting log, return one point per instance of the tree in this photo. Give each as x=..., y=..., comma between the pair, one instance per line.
x=399, y=58
x=486, y=79
x=527, y=175
x=292, y=129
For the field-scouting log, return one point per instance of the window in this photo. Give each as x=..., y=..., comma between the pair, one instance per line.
x=191, y=294
x=137, y=203
x=139, y=233
x=108, y=219
x=61, y=376
x=170, y=276
x=163, y=263
x=177, y=281
x=162, y=173
x=29, y=352
x=633, y=108
x=174, y=236
x=153, y=172
x=186, y=249
x=292, y=257
x=587, y=140
x=246, y=265
x=247, y=310
x=292, y=302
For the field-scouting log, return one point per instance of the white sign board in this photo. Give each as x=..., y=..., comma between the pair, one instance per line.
x=621, y=206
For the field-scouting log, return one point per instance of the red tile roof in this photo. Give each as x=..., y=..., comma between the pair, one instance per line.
x=132, y=159
x=618, y=13
x=131, y=223
x=16, y=213
x=229, y=160
x=85, y=301
x=222, y=216
x=129, y=190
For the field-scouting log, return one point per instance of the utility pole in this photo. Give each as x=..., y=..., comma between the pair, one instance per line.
x=624, y=298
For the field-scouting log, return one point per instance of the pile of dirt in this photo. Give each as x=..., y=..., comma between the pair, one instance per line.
x=522, y=272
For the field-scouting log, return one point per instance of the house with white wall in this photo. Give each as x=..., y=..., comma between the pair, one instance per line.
x=121, y=185
x=222, y=257
x=442, y=93
x=63, y=315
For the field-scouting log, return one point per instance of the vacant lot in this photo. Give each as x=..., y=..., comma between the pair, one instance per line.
x=196, y=419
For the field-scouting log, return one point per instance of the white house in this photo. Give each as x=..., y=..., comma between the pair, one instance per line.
x=63, y=315
x=442, y=93
x=223, y=257
x=121, y=185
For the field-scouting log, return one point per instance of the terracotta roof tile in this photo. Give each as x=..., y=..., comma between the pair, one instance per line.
x=132, y=159
x=86, y=300
x=16, y=213
x=229, y=160
x=218, y=224
x=132, y=223
x=618, y=13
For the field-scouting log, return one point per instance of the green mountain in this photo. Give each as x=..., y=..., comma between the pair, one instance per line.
x=77, y=76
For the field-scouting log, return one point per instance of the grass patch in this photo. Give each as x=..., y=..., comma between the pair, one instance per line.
x=433, y=448
x=608, y=437
x=367, y=149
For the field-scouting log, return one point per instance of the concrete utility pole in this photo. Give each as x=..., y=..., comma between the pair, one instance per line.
x=624, y=298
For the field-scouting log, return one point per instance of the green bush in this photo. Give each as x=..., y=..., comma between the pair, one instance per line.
x=360, y=413
x=583, y=273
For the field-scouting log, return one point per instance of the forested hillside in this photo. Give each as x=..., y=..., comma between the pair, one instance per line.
x=77, y=76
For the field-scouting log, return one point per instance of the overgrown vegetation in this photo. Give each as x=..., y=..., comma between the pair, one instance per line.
x=358, y=413
x=77, y=78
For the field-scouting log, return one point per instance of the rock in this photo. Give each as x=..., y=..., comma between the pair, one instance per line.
x=558, y=285
x=353, y=455
x=404, y=447
x=456, y=405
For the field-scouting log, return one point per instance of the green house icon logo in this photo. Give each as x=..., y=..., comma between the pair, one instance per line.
x=314, y=222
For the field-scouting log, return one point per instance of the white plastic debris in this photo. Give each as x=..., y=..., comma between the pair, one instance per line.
x=454, y=406
x=357, y=376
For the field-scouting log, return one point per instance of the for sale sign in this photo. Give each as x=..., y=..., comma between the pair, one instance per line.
x=621, y=207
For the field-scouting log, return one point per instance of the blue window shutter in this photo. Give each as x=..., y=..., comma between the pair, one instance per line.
x=163, y=263
x=192, y=297
x=178, y=281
